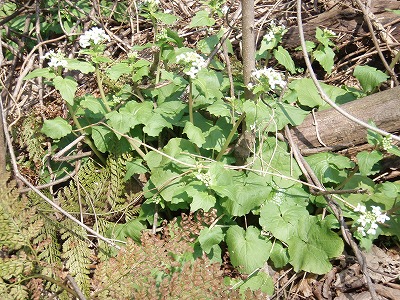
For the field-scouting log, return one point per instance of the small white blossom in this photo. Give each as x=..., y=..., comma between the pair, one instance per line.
x=269, y=36
x=95, y=35
x=192, y=61
x=387, y=143
x=369, y=220
x=204, y=177
x=274, y=78
x=56, y=59
x=224, y=9
x=151, y=2
x=360, y=208
x=361, y=230
x=376, y=210
x=382, y=218
x=330, y=32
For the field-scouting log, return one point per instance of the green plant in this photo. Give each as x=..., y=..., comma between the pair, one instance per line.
x=167, y=116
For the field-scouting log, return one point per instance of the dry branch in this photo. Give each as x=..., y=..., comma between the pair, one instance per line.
x=349, y=21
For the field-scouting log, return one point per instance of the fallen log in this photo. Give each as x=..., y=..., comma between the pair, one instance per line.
x=338, y=132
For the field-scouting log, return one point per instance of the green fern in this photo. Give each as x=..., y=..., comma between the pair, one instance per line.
x=76, y=254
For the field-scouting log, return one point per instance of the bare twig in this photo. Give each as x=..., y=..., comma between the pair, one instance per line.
x=336, y=209
x=367, y=17
x=76, y=288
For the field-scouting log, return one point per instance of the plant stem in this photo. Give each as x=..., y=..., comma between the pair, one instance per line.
x=190, y=102
x=101, y=90
x=230, y=137
x=88, y=141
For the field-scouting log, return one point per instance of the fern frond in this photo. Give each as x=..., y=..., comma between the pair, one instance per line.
x=116, y=184
x=30, y=136
x=77, y=254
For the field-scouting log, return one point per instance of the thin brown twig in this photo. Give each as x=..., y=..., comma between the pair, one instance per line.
x=367, y=17
x=336, y=209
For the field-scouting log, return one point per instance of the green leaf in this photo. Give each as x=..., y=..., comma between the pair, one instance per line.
x=328, y=167
x=369, y=77
x=56, y=128
x=279, y=255
x=93, y=104
x=209, y=84
x=313, y=245
x=195, y=134
x=325, y=57
x=210, y=237
x=284, y=58
x=260, y=281
x=373, y=137
x=248, y=249
x=67, y=87
x=103, y=138
x=394, y=150
x=245, y=194
x=281, y=219
x=121, y=121
x=367, y=160
x=134, y=167
x=167, y=19
x=83, y=66
x=141, y=112
x=131, y=229
x=119, y=69
x=202, y=19
x=219, y=109
x=155, y=125
x=45, y=72
x=202, y=199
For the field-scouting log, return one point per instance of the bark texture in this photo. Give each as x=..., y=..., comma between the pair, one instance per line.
x=335, y=130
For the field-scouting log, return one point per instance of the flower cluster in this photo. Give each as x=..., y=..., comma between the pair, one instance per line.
x=56, y=59
x=330, y=33
x=204, y=178
x=268, y=76
x=94, y=35
x=274, y=30
x=387, y=143
x=151, y=2
x=369, y=220
x=193, y=63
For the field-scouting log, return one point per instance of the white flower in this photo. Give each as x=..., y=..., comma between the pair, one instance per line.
x=95, y=35
x=363, y=220
x=329, y=32
x=360, y=208
x=192, y=61
x=56, y=59
x=224, y=9
x=361, y=230
x=387, y=143
x=151, y=2
x=376, y=210
x=382, y=218
x=369, y=219
x=274, y=78
x=269, y=36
